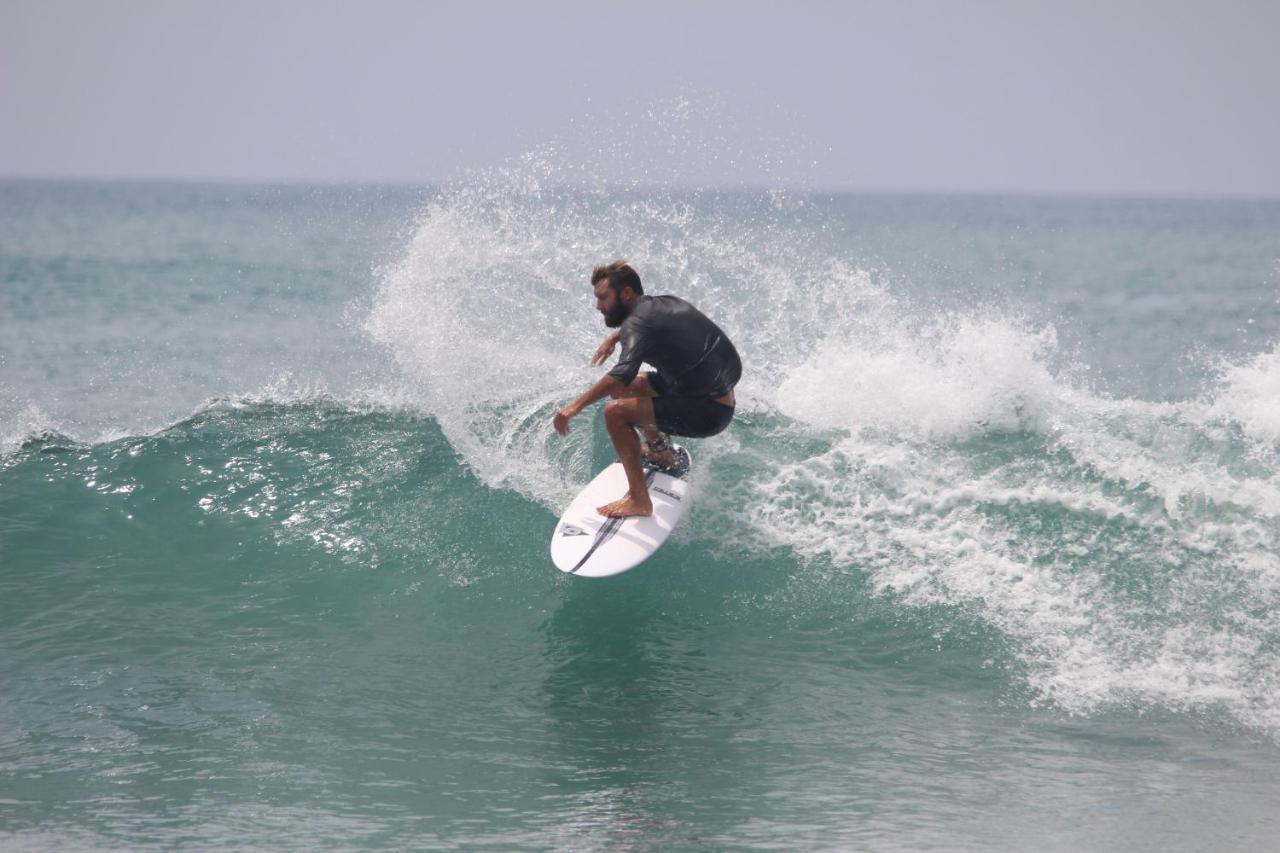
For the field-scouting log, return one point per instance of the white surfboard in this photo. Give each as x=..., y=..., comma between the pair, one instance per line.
x=589, y=545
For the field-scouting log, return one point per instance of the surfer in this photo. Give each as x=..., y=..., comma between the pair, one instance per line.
x=690, y=393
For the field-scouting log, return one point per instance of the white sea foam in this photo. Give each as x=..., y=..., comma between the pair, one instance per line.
x=1249, y=395
x=21, y=422
x=1129, y=548
x=949, y=378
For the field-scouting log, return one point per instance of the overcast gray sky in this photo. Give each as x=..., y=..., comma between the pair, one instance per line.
x=989, y=96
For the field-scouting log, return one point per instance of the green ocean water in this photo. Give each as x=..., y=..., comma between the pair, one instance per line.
x=986, y=561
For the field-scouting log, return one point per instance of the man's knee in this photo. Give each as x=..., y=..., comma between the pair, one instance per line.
x=617, y=413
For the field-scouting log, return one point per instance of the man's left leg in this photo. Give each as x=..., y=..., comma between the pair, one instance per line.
x=621, y=418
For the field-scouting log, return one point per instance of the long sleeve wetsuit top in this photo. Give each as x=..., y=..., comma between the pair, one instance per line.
x=693, y=356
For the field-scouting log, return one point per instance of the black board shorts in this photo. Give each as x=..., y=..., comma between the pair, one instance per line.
x=693, y=417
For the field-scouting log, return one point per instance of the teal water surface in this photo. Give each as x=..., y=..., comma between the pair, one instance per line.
x=987, y=560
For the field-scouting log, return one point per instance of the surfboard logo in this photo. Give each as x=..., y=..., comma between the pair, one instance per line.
x=671, y=495
x=570, y=530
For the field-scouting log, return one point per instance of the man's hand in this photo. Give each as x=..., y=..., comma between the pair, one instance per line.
x=603, y=388
x=603, y=351
x=562, y=419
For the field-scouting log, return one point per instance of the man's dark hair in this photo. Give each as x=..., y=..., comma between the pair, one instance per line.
x=618, y=275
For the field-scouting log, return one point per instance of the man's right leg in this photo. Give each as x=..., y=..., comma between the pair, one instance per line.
x=641, y=387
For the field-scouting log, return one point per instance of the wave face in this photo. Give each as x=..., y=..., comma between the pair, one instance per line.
x=991, y=493
x=957, y=457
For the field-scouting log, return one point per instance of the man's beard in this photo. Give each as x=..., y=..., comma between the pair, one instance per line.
x=615, y=317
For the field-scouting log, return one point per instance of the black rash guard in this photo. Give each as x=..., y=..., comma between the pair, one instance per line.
x=693, y=356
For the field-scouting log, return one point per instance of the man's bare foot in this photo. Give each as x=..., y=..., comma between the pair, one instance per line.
x=626, y=507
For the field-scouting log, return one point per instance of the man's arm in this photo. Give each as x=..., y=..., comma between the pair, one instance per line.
x=602, y=351
x=603, y=388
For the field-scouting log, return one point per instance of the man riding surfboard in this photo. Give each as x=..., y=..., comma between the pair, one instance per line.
x=690, y=393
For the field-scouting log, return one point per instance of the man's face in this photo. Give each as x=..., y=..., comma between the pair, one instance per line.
x=610, y=305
